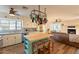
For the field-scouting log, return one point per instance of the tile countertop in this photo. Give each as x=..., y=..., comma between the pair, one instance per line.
x=35, y=36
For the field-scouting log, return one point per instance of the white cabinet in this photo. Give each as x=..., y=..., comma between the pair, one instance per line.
x=18, y=38
x=5, y=40
x=11, y=39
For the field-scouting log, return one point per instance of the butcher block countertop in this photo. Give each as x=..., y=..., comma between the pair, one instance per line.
x=36, y=36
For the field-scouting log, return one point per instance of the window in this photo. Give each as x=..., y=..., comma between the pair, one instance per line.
x=12, y=25
x=19, y=25
x=1, y=28
x=4, y=25
x=55, y=27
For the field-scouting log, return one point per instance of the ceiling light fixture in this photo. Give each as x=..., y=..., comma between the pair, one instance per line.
x=12, y=12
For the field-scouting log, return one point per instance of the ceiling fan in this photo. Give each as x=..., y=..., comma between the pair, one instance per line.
x=13, y=12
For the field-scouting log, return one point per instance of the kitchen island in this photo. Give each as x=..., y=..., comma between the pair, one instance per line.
x=37, y=43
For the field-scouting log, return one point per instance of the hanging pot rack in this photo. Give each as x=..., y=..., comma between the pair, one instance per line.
x=38, y=16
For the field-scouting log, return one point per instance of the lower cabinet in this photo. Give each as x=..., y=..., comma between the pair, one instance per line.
x=11, y=39
x=5, y=41
x=18, y=38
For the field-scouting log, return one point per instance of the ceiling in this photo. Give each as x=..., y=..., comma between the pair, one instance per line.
x=64, y=12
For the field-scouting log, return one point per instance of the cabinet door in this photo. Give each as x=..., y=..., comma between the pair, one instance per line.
x=11, y=40
x=8, y=40
x=14, y=39
x=18, y=38
x=5, y=41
